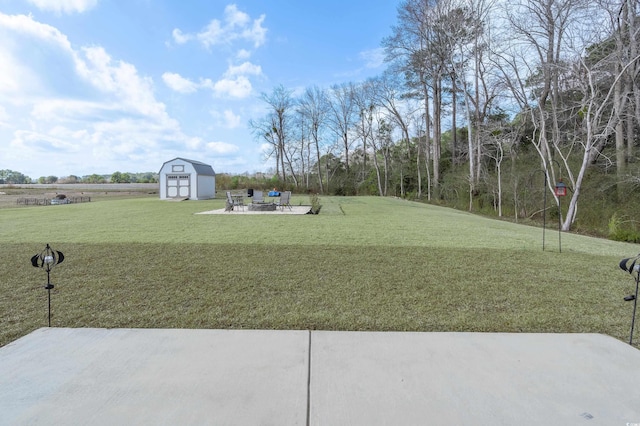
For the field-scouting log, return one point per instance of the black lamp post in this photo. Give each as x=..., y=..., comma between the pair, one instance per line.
x=632, y=268
x=561, y=191
x=47, y=260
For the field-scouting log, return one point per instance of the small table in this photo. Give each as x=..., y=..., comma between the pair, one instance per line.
x=237, y=200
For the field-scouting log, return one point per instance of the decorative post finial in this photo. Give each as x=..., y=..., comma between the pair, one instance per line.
x=47, y=260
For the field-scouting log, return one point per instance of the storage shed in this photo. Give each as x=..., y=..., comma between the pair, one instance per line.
x=182, y=178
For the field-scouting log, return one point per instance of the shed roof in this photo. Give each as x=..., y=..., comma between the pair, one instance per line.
x=200, y=167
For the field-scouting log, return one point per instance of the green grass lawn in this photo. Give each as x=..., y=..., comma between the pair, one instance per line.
x=364, y=263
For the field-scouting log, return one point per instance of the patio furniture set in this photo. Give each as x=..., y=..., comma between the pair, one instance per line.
x=236, y=201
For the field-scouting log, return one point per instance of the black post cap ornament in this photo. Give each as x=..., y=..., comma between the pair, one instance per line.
x=47, y=260
x=632, y=266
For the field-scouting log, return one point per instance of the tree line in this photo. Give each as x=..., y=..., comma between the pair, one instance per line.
x=13, y=177
x=477, y=97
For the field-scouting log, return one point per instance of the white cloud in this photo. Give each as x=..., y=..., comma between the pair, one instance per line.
x=373, y=58
x=221, y=148
x=180, y=38
x=234, y=82
x=257, y=33
x=227, y=119
x=26, y=25
x=27, y=142
x=14, y=76
x=178, y=83
x=206, y=83
x=4, y=117
x=64, y=6
x=243, y=54
x=197, y=145
x=239, y=87
x=237, y=26
x=97, y=114
x=121, y=80
x=69, y=134
x=243, y=69
x=234, y=17
x=213, y=34
x=232, y=120
x=64, y=110
x=231, y=85
x=20, y=73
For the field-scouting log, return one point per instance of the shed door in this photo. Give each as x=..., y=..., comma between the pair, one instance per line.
x=178, y=186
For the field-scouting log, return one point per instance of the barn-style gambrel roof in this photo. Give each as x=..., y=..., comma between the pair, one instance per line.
x=200, y=167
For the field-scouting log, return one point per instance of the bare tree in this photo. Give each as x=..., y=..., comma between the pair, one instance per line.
x=302, y=127
x=501, y=139
x=262, y=130
x=572, y=95
x=407, y=49
x=599, y=122
x=281, y=107
x=623, y=17
x=382, y=143
x=314, y=106
x=342, y=117
x=542, y=28
x=400, y=111
x=364, y=100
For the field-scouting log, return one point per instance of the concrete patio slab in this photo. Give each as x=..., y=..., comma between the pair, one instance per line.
x=361, y=378
x=246, y=211
x=264, y=377
x=175, y=377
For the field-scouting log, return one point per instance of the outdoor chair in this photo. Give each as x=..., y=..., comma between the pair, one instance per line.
x=257, y=197
x=234, y=202
x=229, y=204
x=285, y=200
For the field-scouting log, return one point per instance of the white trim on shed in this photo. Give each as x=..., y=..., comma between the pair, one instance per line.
x=182, y=178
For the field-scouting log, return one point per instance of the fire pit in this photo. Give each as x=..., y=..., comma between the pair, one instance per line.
x=262, y=207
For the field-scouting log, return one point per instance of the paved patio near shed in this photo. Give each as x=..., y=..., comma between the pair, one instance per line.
x=286, y=210
x=250, y=377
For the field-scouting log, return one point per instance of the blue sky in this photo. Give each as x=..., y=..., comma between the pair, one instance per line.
x=97, y=86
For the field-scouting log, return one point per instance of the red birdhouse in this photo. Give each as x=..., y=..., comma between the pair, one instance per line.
x=561, y=189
